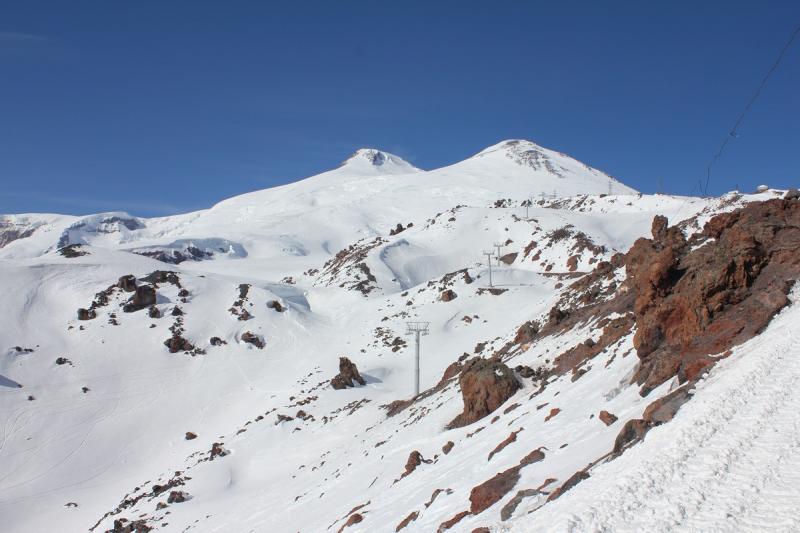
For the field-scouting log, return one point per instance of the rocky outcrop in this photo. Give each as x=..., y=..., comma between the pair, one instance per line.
x=144, y=296
x=276, y=305
x=573, y=480
x=485, y=385
x=508, y=258
x=696, y=298
x=348, y=375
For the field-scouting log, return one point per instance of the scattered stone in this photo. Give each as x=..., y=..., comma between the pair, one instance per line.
x=190, y=435
x=492, y=491
x=176, y=344
x=632, y=432
x=553, y=412
x=153, y=312
x=447, y=524
x=84, y=389
x=407, y=520
x=216, y=341
x=576, y=478
x=251, y=338
x=447, y=447
x=607, y=418
x=177, y=311
x=276, y=305
x=63, y=361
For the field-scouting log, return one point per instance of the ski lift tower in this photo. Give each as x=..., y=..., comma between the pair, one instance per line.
x=498, y=245
x=417, y=329
x=489, y=255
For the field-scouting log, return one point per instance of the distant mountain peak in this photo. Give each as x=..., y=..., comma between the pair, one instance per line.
x=374, y=159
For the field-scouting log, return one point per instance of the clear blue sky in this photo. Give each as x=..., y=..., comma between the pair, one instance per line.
x=160, y=107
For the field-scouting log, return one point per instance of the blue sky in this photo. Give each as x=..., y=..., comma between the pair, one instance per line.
x=163, y=107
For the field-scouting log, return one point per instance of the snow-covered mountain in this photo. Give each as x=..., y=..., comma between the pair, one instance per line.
x=176, y=373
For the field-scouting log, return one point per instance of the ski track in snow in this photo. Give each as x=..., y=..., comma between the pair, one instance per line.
x=728, y=462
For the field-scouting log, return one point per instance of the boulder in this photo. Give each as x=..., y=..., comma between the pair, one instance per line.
x=127, y=283
x=176, y=344
x=607, y=418
x=177, y=496
x=154, y=312
x=276, y=305
x=492, y=491
x=86, y=314
x=448, y=295
x=348, y=375
x=508, y=258
x=485, y=385
x=632, y=432
x=144, y=296
x=251, y=338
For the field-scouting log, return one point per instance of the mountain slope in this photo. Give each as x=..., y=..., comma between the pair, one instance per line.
x=271, y=288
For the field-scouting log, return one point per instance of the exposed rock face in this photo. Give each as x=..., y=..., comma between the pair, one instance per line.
x=485, y=385
x=693, y=301
x=145, y=296
x=407, y=520
x=348, y=375
x=664, y=409
x=448, y=295
x=70, y=251
x=251, y=338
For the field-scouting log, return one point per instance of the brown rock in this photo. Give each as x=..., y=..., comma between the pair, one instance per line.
x=176, y=344
x=632, y=432
x=485, y=385
x=153, y=312
x=553, y=412
x=694, y=301
x=448, y=295
x=447, y=447
x=508, y=440
x=572, y=263
x=176, y=496
x=216, y=341
x=407, y=520
x=576, y=478
x=664, y=409
x=127, y=283
x=190, y=435
x=276, y=305
x=508, y=258
x=492, y=491
x=144, y=296
x=355, y=518
x=348, y=375
x=86, y=314
x=607, y=418
x=447, y=524
x=251, y=338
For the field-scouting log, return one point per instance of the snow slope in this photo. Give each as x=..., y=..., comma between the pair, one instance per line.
x=321, y=248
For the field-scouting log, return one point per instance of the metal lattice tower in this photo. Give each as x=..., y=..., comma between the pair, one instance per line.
x=417, y=329
x=489, y=255
x=498, y=245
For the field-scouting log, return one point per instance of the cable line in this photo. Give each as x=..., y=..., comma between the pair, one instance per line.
x=733, y=133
